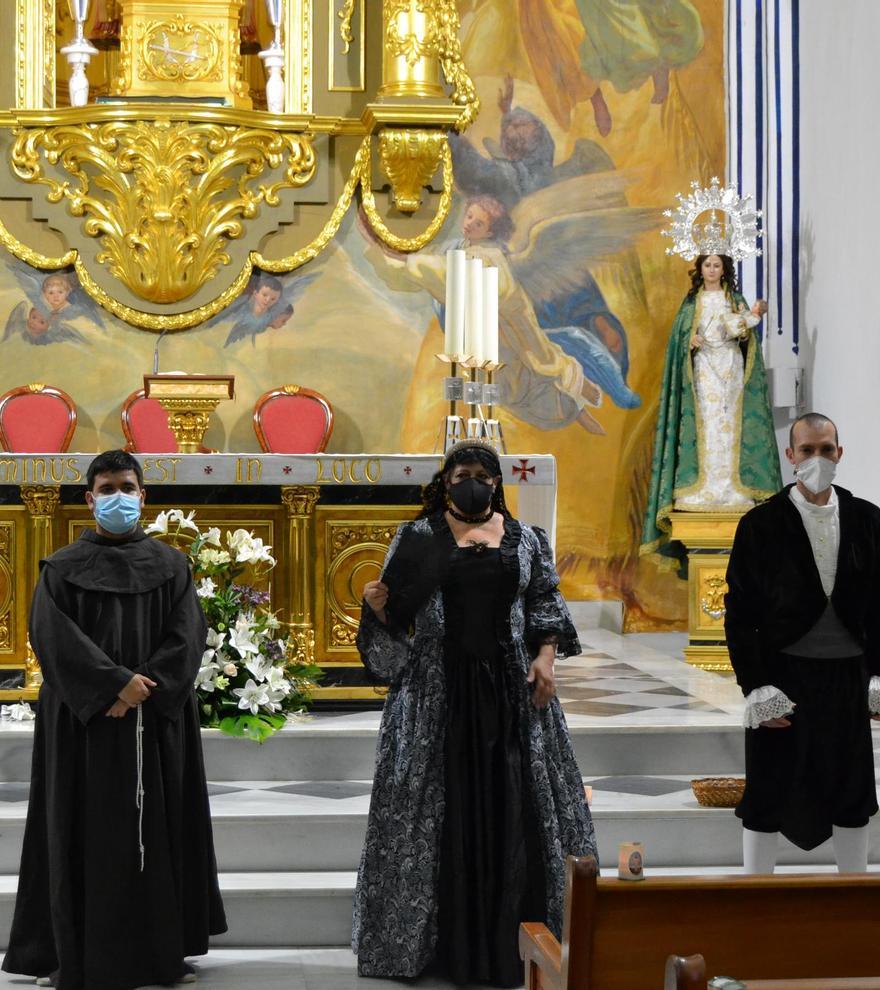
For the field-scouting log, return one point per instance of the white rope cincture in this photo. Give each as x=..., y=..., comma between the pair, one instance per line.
x=139, y=797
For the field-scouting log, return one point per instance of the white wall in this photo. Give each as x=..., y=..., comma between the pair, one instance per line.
x=840, y=227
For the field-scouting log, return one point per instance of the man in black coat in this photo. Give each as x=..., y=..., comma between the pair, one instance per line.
x=803, y=630
x=118, y=881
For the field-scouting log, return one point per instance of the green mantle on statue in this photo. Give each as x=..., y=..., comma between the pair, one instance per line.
x=675, y=468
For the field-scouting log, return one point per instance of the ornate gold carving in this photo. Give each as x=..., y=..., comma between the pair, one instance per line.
x=378, y=224
x=712, y=603
x=345, y=16
x=343, y=632
x=178, y=50
x=33, y=675
x=464, y=92
x=35, y=386
x=410, y=158
x=188, y=420
x=41, y=500
x=302, y=639
x=291, y=389
x=300, y=499
x=161, y=204
x=7, y=595
x=353, y=549
x=411, y=30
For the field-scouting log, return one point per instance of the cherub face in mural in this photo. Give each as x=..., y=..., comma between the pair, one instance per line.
x=37, y=322
x=264, y=298
x=56, y=292
x=282, y=318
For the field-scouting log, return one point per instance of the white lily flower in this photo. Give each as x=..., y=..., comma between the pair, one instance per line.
x=241, y=637
x=271, y=621
x=205, y=588
x=238, y=538
x=251, y=696
x=260, y=666
x=212, y=536
x=253, y=552
x=184, y=522
x=215, y=639
x=278, y=684
x=159, y=526
x=206, y=677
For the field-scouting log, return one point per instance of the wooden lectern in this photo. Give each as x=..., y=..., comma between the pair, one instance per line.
x=189, y=401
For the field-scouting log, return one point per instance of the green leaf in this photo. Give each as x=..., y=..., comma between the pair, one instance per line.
x=258, y=728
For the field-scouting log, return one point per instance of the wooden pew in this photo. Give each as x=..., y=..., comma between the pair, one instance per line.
x=617, y=934
x=690, y=974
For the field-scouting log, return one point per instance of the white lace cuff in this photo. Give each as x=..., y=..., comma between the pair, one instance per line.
x=874, y=695
x=765, y=703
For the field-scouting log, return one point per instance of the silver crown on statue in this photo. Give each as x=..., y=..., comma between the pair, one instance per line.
x=737, y=236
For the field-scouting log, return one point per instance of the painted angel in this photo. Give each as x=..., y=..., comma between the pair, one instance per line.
x=551, y=375
x=266, y=304
x=55, y=308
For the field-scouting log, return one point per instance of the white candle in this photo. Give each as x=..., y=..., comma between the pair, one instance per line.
x=490, y=314
x=455, y=292
x=473, y=314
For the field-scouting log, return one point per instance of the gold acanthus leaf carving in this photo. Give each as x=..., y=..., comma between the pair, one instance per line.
x=345, y=16
x=163, y=197
x=342, y=634
x=348, y=536
x=401, y=36
x=410, y=158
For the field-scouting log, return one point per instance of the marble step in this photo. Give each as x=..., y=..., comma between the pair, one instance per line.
x=343, y=748
x=320, y=825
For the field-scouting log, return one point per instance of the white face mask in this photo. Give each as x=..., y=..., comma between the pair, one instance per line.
x=816, y=473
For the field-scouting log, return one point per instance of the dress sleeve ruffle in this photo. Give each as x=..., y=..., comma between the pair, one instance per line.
x=765, y=703
x=874, y=695
x=547, y=617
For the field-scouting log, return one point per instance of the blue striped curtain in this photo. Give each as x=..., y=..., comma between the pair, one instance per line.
x=763, y=127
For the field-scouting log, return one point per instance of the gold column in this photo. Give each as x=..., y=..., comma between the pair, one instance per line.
x=41, y=502
x=301, y=501
x=35, y=53
x=413, y=41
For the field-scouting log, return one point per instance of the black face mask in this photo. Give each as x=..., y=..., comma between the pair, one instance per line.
x=470, y=496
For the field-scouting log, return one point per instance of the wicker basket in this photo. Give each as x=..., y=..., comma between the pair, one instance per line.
x=719, y=792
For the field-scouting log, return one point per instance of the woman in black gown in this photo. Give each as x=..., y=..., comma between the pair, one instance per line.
x=477, y=797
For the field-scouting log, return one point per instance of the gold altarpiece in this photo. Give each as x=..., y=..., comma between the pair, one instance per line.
x=168, y=186
x=173, y=182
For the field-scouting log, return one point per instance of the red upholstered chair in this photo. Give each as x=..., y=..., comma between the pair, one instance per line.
x=145, y=426
x=293, y=420
x=36, y=419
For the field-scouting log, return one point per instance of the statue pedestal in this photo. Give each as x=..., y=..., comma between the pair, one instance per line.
x=708, y=537
x=189, y=401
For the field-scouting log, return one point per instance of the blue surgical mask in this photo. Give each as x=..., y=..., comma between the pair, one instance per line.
x=117, y=513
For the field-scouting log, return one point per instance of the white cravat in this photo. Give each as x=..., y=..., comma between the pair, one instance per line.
x=822, y=523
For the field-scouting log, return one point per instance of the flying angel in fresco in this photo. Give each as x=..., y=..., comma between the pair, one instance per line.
x=542, y=249
x=266, y=304
x=55, y=308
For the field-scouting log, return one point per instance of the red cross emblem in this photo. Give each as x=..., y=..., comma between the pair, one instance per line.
x=287, y=469
x=523, y=469
x=208, y=469
x=407, y=470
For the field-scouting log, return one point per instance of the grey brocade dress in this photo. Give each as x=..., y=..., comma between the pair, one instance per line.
x=477, y=798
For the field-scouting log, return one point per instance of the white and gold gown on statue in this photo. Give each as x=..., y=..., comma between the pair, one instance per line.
x=718, y=385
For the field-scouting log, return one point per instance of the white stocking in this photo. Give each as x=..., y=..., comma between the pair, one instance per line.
x=759, y=851
x=851, y=849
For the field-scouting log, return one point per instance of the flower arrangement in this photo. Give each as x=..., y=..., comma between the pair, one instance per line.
x=250, y=680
